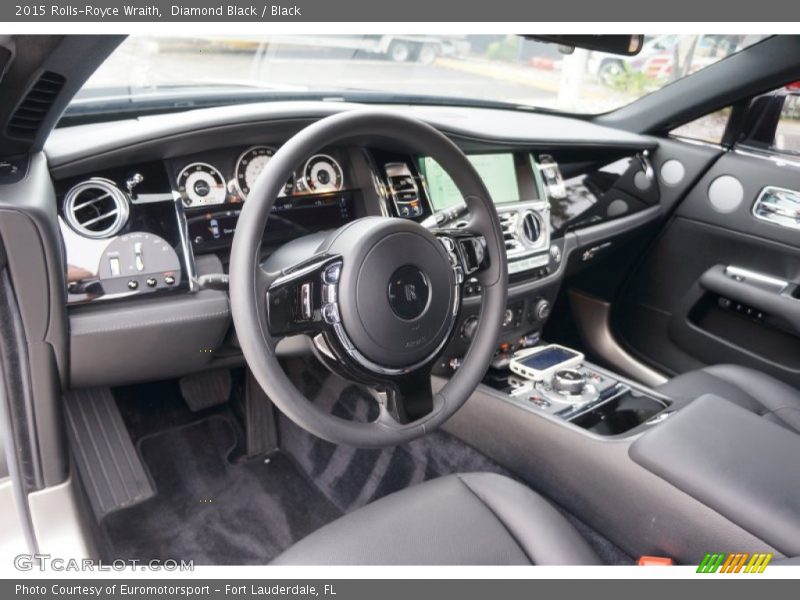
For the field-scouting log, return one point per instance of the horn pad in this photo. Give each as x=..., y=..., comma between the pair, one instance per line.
x=397, y=290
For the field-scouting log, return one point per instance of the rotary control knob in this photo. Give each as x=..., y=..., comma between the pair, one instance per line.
x=541, y=310
x=469, y=327
x=569, y=381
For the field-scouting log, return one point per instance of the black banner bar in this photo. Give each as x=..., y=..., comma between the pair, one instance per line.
x=406, y=11
x=731, y=588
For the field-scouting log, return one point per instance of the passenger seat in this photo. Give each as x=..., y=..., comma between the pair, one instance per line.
x=751, y=389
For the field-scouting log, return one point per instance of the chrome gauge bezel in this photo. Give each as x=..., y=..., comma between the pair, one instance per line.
x=239, y=185
x=336, y=167
x=184, y=193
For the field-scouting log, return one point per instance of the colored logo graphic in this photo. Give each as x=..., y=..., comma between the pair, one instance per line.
x=735, y=562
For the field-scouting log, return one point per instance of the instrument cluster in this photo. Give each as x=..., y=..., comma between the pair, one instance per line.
x=203, y=183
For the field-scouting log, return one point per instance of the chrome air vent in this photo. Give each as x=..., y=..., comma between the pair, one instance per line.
x=96, y=208
x=508, y=223
x=531, y=227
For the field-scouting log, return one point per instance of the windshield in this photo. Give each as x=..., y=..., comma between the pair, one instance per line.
x=448, y=69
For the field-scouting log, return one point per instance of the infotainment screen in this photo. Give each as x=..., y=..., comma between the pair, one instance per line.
x=497, y=171
x=549, y=357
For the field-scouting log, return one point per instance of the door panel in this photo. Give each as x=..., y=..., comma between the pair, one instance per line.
x=720, y=285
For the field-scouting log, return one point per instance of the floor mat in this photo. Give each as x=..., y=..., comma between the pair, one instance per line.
x=213, y=511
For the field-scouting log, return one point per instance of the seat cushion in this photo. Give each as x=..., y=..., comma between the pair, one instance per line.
x=467, y=519
x=750, y=389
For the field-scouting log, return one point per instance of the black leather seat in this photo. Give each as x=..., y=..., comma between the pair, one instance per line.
x=751, y=389
x=471, y=519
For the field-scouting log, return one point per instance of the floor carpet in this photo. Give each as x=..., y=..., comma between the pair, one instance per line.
x=211, y=510
x=215, y=508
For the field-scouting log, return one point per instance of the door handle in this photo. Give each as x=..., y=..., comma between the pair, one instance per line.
x=767, y=294
x=780, y=206
x=767, y=282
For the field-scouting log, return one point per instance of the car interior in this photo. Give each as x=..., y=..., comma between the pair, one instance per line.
x=316, y=331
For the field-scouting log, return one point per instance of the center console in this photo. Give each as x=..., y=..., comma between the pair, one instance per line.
x=576, y=391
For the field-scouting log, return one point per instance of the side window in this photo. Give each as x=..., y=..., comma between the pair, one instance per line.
x=787, y=133
x=708, y=128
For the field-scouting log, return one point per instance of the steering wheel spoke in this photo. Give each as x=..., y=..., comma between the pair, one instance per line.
x=409, y=397
x=467, y=250
x=301, y=299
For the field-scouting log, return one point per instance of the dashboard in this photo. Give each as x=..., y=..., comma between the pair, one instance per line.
x=135, y=220
x=138, y=229
x=147, y=210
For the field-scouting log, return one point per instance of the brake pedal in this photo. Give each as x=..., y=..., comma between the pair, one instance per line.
x=206, y=389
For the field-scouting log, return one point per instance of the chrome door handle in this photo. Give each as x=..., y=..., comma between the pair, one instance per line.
x=780, y=206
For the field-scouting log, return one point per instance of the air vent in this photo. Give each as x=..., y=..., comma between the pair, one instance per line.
x=531, y=227
x=32, y=111
x=96, y=208
x=508, y=223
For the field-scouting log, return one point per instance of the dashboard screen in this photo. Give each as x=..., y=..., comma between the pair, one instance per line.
x=496, y=170
x=547, y=358
x=290, y=217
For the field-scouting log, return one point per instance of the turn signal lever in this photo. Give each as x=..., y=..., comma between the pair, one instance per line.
x=440, y=217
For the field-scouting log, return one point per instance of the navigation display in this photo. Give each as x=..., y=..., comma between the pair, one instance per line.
x=496, y=170
x=549, y=357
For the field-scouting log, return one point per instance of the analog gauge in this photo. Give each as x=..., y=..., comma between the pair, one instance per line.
x=322, y=174
x=249, y=167
x=200, y=184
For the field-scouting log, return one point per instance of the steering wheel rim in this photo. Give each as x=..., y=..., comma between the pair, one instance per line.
x=249, y=283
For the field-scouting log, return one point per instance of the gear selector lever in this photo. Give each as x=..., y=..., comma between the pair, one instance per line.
x=569, y=381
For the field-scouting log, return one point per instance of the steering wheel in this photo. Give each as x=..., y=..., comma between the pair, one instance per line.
x=380, y=296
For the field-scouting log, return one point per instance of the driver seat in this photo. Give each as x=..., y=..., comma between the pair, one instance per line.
x=464, y=519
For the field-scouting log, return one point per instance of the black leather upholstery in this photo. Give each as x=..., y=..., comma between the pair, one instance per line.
x=730, y=460
x=750, y=389
x=471, y=519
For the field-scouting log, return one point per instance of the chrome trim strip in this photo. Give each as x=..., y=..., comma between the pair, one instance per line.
x=742, y=274
x=310, y=267
x=778, y=160
x=183, y=232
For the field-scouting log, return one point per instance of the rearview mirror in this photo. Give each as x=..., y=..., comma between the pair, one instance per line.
x=628, y=45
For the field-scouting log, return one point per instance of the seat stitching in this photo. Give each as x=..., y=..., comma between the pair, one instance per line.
x=149, y=324
x=775, y=412
x=765, y=409
x=496, y=516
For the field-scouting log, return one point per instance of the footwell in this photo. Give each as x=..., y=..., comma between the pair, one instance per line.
x=210, y=510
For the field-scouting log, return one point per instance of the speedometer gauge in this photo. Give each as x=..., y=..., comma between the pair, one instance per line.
x=322, y=174
x=200, y=184
x=249, y=167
